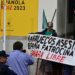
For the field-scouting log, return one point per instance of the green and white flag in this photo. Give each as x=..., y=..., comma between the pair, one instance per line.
x=44, y=23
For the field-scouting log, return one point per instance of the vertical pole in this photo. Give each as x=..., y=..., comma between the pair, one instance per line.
x=36, y=73
x=4, y=27
x=66, y=18
x=53, y=15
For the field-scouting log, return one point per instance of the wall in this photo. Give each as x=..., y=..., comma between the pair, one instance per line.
x=49, y=7
x=63, y=26
x=61, y=16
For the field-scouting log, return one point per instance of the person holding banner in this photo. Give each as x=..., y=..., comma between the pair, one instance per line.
x=48, y=67
x=49, y=30
x=18, y=60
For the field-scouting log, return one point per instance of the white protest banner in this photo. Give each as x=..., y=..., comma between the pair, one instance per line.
x=52, y=48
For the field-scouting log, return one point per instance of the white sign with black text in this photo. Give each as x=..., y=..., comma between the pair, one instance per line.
x=51, y=48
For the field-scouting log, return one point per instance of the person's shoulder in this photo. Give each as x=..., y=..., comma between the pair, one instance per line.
x=42, y=32
x=9, y=71
x=3, y=66
x=54, y=32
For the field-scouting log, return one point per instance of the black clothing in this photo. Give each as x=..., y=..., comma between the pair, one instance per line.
x=49, y=66
x=44, y=31
x=4, y=70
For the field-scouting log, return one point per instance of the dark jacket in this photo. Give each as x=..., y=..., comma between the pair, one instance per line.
x=44, y=31
x=4, y=70
x=45, y=65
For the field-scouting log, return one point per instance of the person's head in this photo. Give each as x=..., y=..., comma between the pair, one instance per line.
x=3, y=57
x=50, y=25
x=18, y=45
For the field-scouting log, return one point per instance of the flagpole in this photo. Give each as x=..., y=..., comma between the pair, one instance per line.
x=53, y=15
x=4, y=27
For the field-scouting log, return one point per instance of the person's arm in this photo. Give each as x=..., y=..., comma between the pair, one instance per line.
x=30, y=59
x=54, y=33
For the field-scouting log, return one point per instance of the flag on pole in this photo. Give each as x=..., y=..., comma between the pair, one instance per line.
x=44, y=23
